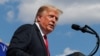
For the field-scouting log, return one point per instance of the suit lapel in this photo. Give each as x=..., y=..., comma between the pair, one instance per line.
x=40, y=38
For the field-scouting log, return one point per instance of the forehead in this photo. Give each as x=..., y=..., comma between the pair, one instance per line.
x=51, y=13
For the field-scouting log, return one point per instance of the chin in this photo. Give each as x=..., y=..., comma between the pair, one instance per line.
x=50, y=30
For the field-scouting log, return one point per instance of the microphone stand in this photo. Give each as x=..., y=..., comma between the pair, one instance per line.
x=97, y=44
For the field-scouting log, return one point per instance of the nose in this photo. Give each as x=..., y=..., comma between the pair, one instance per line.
x=54, y=20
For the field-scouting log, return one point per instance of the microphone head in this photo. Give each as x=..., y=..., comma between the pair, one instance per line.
x=75, y=27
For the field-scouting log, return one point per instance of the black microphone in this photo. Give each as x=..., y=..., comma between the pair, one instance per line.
x=87, y=29
x=83, y=29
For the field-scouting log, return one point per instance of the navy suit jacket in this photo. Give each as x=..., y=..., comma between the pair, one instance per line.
x=27, y=41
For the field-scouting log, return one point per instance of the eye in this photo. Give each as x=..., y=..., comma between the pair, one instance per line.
x=52, y=16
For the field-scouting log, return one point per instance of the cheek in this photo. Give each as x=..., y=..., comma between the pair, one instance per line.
x=46, y=21
x=45, y=24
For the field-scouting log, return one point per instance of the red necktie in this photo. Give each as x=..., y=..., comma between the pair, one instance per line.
x=46, y=44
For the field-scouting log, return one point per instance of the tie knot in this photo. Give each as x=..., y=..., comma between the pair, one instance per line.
x=45, y=36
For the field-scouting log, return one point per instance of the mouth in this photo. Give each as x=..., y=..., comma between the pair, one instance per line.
x=52, y=26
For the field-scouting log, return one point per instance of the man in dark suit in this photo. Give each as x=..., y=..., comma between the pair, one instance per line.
x=28, y=39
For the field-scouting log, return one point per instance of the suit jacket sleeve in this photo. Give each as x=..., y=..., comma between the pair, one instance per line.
x=20, y=41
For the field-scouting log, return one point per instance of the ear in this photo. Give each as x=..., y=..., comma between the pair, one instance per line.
x=38, y=18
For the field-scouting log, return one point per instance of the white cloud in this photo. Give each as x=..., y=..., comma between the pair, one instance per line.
x=3, y=1
x=7, y=44
x=81, y=13
x=67, y=51
x=0, y=40
x=4, y=43
x=28, y=9
x=10, y=16
x=75, y=12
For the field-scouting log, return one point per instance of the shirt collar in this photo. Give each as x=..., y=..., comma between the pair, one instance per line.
x=39, y=28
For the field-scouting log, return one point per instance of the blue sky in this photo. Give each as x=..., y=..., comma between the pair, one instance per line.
x=63, y=40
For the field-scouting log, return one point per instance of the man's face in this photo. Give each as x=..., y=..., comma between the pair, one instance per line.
x=48, y=21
